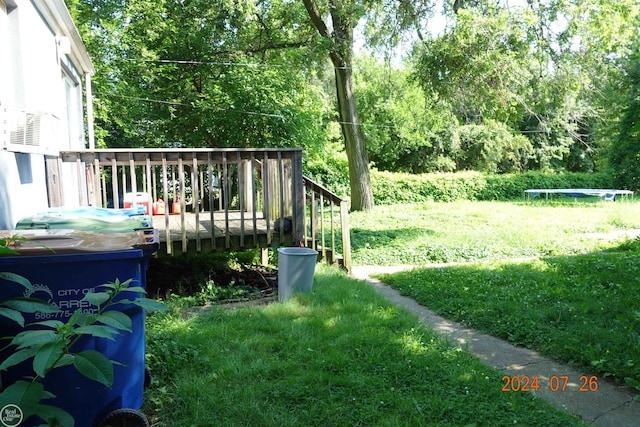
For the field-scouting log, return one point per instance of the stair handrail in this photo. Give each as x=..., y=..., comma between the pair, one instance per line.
x=316, y=239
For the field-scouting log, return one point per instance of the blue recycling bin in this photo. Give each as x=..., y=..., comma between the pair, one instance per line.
x=82, y=261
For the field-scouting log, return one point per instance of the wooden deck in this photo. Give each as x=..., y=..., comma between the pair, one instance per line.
x=263, y=199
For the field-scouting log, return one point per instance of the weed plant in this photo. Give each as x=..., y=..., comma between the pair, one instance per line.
x=339, y=356
x=212, y=293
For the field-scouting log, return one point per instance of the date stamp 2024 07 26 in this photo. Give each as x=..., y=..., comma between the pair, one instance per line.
x=557, y=383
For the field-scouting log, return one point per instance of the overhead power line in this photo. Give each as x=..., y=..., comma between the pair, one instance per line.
x=221, y=63
x=182, y=104
x=191, y=62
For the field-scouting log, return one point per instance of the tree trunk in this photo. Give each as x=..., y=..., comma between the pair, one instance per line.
x=341, y=56
x=358, y=159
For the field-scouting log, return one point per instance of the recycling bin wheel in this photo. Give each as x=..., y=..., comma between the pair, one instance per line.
x=125, y=418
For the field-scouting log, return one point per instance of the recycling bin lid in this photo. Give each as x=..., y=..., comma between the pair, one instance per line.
x=64, y=241
x=93, y=211
x=86, y=222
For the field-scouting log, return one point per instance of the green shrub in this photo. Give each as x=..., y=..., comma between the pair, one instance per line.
x=390, y=188
x=512, y=186
x=329, y=167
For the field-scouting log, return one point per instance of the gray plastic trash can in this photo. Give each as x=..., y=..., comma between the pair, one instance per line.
x=296, y=267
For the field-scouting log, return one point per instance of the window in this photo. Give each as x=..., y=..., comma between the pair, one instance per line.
x=73, y=96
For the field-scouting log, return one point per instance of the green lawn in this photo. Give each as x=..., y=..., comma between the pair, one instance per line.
x=424, y=233
x=555, y=277
x=580, y=306
x=340, y=356
x=583, y=310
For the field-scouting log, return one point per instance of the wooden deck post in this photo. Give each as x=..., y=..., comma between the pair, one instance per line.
x=54, y=186
x=149, y=184
x=80, y=172
x=212, y=199
x=114, y=183
x=346, y=237
x=195, y=197
x=103, y=180
x=297, y=199
x=183, y=205
x=124, y=183
x=132, y=178
x=266, y=195
x=167, y=206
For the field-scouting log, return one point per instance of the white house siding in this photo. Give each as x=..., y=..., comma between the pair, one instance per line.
x=37, y=78
x=42, y=64
x=21, y=193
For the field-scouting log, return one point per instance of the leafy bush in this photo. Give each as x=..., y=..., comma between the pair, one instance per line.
x=491, y=147
x=390, y=188
x=329, y=168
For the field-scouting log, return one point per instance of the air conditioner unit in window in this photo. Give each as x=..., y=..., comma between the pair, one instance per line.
x=27, y=130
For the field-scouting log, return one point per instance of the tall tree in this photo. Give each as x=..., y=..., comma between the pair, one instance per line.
x=405, y=131
x=345, y=15
x=625, y=154
x=539, y=67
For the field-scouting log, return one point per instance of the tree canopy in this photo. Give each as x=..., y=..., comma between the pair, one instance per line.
x=541, y=69
x=625, y=155
x=543, y=85
x=196, y=73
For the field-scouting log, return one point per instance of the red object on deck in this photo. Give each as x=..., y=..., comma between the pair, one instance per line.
x=175, y=207
x=158, y=207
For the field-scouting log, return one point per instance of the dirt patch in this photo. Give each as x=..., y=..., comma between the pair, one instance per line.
x=231, y=284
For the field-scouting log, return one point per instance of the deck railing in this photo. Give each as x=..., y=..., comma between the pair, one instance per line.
x=326, y=217
x=217, y=199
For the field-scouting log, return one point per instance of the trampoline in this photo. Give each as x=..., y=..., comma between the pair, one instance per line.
x=608, y=194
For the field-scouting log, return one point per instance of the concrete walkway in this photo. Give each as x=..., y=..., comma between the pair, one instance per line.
x=610, y=405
